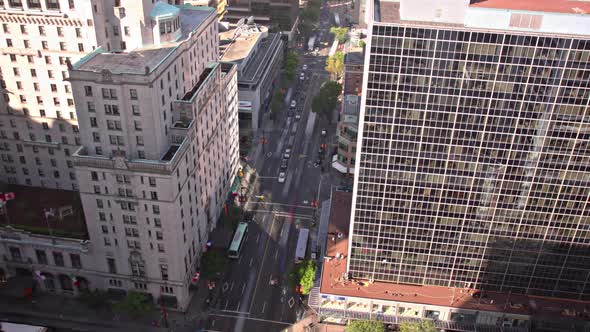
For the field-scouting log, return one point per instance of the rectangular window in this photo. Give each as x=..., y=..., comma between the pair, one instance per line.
x=41, y=256
x=112, y=265
x=58, y=258
x=76, y=261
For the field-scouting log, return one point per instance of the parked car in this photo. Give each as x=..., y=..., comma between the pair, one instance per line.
x=282, y=177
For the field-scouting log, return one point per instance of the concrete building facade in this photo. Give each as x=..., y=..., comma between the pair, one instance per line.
x=38, y=121
x=258, y=55
x=154, y=159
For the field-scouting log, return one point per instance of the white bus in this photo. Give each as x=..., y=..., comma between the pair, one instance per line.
x=235, y=248
x=301, y=245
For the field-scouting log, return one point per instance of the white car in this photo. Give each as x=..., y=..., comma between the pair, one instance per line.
x=302, y=76
x=297, y=116
x=304, y=67
x=293, y=103
x=282, y=177
x=287, y=154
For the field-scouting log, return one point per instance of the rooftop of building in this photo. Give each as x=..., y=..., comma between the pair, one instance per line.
x=26, y=211
x=257, y=47
x=145, y=59
x=354, y=56
x=548, y=6
x=334, y=282
x=235, y=44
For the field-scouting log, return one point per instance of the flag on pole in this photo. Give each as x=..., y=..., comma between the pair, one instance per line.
x=196, y=277
x=39, y=275
x=49, y=212
x=75, y=280
x=4, y=197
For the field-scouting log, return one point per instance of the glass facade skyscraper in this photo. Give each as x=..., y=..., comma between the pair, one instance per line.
x=474, y=162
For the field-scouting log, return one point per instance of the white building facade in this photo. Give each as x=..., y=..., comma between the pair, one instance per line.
x=155, y=153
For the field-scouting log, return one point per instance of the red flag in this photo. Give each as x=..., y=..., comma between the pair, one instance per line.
x=196, y=277
x=7, y=196
x=226, y=209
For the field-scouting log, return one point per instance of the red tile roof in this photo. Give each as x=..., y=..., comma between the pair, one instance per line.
x=334, y=283
x=551, y=6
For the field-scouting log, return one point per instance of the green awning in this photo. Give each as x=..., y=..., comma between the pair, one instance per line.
x=236, y=185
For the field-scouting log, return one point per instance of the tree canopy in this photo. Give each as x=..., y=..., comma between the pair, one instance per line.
x=423, y=326
x=303, y=274
x=212, y=262
x=291, y=63
x=362, y=43
x=277, y=102
x=335, y=64
x=326, y=100
x=340, y=33
x=365, y=326
x=135, y=304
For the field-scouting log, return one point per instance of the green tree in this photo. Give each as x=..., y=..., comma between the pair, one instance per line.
x=233, y=217
x=94, y=299
x=303, y=274
x=277, y=102
x=340, y=33
x=365, y=326
x=212, y=262
x=423, y=326
x=290, y=65
x=362, y=43
x=335, y=64
x=326, y=100
x=135, y=304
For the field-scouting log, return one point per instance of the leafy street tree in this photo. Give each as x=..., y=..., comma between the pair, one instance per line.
x=341, y=33
x=291, y=63
x=365, y=326
x=95, y=299
x=362, y=43
x=424, y=326
x=303, y=274
x=326, y=100
x=335, y=64
x=233, y=217
x=212, y=262
x=135, y=304
x=277, y=102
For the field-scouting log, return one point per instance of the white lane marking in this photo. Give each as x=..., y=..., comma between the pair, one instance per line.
x=238, y=308
x=251, y=260
x=236, y=312
x=243, y=287
x=276, y=255
x=272, y=225
x=225, y=287
x=232, y=286
x=226, y=303
x=291, y=302
x=246, y=239
x=240, y=260
x=263, y=306
x=251, y=318
x=258, y=238
x=213, y=323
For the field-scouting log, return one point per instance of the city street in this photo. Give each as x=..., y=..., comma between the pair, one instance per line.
x=248, y=301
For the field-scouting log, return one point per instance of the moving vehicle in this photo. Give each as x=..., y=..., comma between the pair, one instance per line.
x=284, y=163
x=324, y=132
x=282, y=177
x=293, y=103
x=287, y=154
x=297, y=116
x=302, y=76
x=235, y=248
x=311, y=43
x=301, y=245
x=304, y=67
x=13, y=327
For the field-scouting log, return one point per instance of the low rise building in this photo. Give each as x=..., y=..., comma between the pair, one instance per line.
x=279, y=16
x=353, y=70
x=258, y=56
x=347, y=130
